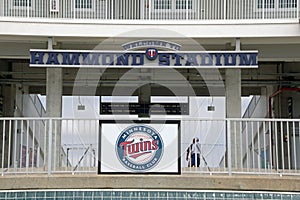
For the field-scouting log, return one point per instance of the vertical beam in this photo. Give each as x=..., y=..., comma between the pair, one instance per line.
x=145, y=98
x=233, y=109
x=54, y=101
x=9, y=95
x=238, y=44
x=54, y=89
x=145, y=91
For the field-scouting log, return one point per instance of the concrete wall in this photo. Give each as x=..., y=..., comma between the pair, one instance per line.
x=181, y=182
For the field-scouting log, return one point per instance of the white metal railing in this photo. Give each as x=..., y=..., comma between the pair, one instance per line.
x=264, y=146
x=151, y=9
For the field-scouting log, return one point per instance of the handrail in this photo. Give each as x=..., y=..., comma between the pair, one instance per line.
x=220, y=10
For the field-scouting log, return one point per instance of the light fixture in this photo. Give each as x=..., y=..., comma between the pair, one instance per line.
x=211, y=107
x=80, y=105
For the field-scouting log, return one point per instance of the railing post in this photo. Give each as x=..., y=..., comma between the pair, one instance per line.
x=27, y=4
x=229, y=164
x=225, y=9
x=297, y=9
x=3, y=9
x=49, y=146
x=186, y=9
x=74, y=9
x=3, y=145
x=263, y=9
x=112, y=9
x=15, y=146
x=149, y=9
x=106, y=10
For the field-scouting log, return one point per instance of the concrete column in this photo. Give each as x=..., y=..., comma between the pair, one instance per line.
x=54, y=105
x=145, y=91
x=233, y=93
x=8, y=94
x=233, y=110
x=54, y=92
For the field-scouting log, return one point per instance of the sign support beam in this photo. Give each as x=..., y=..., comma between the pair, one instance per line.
x=233, y=108
x=54, y=79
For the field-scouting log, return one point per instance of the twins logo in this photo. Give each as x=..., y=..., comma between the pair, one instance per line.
x=139, y=148
x=151, y=53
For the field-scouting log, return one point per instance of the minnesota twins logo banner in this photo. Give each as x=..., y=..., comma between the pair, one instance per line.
x=140, y=147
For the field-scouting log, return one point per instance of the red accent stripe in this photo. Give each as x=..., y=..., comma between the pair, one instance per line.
x=139, y=154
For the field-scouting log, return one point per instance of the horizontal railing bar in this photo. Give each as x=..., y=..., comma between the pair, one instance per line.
x=149, y=22
x=153, y=118
x=114, y=118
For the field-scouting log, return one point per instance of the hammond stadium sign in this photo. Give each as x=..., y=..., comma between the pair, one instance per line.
x=152, y=57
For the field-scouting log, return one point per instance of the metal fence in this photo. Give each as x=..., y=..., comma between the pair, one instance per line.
x=151, y=9
x=264, y=146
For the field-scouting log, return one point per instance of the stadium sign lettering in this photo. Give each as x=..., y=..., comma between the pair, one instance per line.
x=151, y=43
x=151, y=58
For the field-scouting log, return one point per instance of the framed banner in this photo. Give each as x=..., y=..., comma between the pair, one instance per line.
x=54, y=5
x=139, y=147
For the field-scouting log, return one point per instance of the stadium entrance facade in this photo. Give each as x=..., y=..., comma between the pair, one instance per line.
x=140, y=71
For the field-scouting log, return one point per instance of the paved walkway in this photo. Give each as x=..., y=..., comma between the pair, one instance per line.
x=185, y=182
